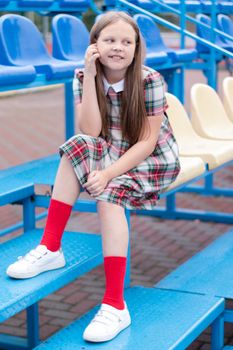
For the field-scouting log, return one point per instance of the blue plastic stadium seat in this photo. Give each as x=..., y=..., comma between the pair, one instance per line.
x=74, y=3
x=154, y=55
x=21, y=44
x=190, y=5
x=205, y=33
x=225, y=6
x=16, y=75
x=4, y=2
x=70, y=38
x=155, y=43
x=109, y=4
x=35, y=3
x=206, y=6
x=145, y=4
x=225, y=24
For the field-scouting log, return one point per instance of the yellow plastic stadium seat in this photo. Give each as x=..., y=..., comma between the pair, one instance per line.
x=209, y=117
x=213, y=152
x=228, y=97
x=191, y=167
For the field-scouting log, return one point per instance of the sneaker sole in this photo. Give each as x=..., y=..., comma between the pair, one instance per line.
x=110, y=337
x=29, y=275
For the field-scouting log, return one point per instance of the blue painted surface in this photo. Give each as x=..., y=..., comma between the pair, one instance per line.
x=190, y=5
x=225, y=24
x=34, y=3
x=16, y=75
x=9, y=342
x=74, y=3
x=16, y=193
x=160, y=320
x=3, y=3
x=209, y=272
x=40, y=171
x=82, y=252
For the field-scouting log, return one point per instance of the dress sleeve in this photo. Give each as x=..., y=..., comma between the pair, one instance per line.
x=154, y=94
x=78, y=86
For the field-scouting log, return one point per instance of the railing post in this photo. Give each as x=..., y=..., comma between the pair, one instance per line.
x=212, y=72
x=69, y=110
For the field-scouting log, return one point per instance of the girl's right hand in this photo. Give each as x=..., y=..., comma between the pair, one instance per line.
x=90, y=59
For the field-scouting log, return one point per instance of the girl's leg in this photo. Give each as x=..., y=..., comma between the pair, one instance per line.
x=47, y=255
x=113, y=315
x=115, y=238
x=65, y=192
x=66, y=188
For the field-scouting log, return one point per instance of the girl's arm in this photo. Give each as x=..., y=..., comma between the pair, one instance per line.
x=89, y=118
x=139, y=151
x=98, y=180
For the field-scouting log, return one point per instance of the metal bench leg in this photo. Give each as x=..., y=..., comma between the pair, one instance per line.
x=127, y=276
x=33, y=326
x=174, y=79
x=217, y=336
x=28, y=214
x=208, y=188
x=171, y=212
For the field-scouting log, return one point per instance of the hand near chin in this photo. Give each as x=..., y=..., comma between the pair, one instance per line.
x=91, y=56
x=96, y=183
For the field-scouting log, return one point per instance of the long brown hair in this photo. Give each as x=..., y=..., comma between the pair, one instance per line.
x=133, y=111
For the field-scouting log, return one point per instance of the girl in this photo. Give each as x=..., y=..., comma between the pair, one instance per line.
x=125, y=156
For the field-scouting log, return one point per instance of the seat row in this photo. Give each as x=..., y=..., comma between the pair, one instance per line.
x=80, y=6
x=224, y=24
x=155, y=44
x=70, y=39
x=191, y=6
x=21, y=65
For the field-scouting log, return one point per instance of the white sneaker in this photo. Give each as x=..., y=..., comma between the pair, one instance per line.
x=107, y=323
x=35, y=262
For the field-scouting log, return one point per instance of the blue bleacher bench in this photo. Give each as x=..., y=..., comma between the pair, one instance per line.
x=82, y=251
x=210, y=273
x=161, y=320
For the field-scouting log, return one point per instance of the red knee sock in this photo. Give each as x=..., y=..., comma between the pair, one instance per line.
x=115, y=268
x=58, y=215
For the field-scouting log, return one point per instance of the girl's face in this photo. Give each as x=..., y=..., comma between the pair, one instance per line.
x=116, y=45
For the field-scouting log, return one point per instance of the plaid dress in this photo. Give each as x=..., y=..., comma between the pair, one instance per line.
x=139, y=187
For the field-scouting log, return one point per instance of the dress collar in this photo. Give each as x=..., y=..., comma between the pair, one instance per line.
x=117, y=87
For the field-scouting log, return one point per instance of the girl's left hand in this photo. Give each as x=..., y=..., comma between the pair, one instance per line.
x=96, y=183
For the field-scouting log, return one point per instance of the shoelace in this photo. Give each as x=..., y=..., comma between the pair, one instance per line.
x=33, y=255
x=106, y=317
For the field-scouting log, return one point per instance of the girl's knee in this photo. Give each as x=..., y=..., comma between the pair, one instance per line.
x=107, y=207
